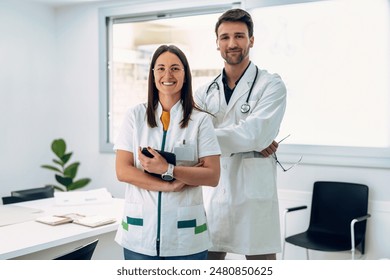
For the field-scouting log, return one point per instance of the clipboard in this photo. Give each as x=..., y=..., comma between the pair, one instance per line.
x=169, y=157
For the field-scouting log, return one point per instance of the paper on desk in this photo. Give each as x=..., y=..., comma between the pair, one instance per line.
x=13, y=214
x=54, y=220
x=94, y=221
x=82, y=197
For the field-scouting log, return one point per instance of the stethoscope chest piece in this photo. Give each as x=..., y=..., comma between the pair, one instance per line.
x=245, y=108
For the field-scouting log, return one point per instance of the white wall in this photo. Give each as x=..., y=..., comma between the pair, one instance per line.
x=31, y=116
x=49, y=89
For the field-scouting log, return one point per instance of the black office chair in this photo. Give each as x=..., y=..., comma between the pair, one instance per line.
x=11, y=199
x=337, y=219
x=84, y=252
x=29, y=194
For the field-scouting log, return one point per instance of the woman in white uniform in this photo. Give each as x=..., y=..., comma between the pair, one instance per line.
x=164, y=218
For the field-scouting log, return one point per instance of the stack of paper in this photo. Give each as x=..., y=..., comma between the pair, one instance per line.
x=54, y=220
x=90, y=221
x=94, y=221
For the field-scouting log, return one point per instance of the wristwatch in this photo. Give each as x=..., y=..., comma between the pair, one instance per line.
x=168, y=175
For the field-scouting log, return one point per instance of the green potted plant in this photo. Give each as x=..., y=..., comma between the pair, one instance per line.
x=65, y=171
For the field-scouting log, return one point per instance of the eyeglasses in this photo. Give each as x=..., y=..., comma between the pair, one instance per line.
x=173, y=70
x=278, y=162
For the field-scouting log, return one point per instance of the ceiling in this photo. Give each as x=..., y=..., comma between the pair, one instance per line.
x=56, y=3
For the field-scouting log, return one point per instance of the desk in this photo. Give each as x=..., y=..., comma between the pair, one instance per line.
x=34, y=240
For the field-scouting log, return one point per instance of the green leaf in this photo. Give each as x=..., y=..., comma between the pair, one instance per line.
x=67, y=174
x=51, y=168
x=71, y=170
x=61, y=189
x=65, y=181
x=58, y=162
x=65, y=158
x=58, y=147
x=79, y=184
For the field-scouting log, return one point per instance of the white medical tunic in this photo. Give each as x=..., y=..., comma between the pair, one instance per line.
x=243, y=211
x=177, y=218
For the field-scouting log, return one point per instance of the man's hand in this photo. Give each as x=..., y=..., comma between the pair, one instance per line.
x=271, y=149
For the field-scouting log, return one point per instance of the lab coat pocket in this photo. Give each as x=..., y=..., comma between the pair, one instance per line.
x=133, y=223
x=192, y=227
x=186, y=152
x=259, y=178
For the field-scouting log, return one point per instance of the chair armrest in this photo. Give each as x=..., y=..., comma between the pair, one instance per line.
x=292, y=209
x=353, y=222
x=362, y=218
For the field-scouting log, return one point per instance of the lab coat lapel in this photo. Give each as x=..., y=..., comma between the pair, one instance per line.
x=221, y=95
x=242, y=89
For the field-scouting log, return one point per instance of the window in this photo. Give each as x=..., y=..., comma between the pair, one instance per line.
x=334, y=57
x=131, y=42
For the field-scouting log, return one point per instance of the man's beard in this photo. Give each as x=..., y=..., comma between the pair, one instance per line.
x=234, y=60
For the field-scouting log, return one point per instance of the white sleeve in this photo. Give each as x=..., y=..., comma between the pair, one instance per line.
x=124, y=140
x=199, y=97
x=207, y=139
x=261, y=127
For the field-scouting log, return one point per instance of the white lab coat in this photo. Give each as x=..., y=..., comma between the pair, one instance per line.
x=179, y=217
x=243, y=211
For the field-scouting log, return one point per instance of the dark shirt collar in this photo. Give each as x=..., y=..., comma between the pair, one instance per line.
x=227, y=90
x=224, y=79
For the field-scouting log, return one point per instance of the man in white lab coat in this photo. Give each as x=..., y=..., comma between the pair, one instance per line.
x=248, y=104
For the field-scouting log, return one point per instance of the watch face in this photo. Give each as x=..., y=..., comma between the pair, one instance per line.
x=167, y=177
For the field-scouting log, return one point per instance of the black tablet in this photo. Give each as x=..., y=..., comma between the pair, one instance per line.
x=169, y=157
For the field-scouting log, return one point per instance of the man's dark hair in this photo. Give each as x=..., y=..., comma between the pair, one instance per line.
x=236, y=15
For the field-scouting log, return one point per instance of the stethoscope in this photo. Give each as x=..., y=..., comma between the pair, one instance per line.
x=245, y=108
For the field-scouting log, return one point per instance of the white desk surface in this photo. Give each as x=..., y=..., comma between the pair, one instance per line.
x=31, y=236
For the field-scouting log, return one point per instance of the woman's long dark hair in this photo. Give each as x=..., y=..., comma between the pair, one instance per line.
x=186, y=97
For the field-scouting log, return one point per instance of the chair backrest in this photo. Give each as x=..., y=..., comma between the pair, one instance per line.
x=35, y=193
x=29, y=194
x=84, y=252
x=335, y=205
x=11, y=199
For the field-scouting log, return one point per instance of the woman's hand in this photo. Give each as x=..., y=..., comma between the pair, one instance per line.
x=178, y=186
x=157, y=164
